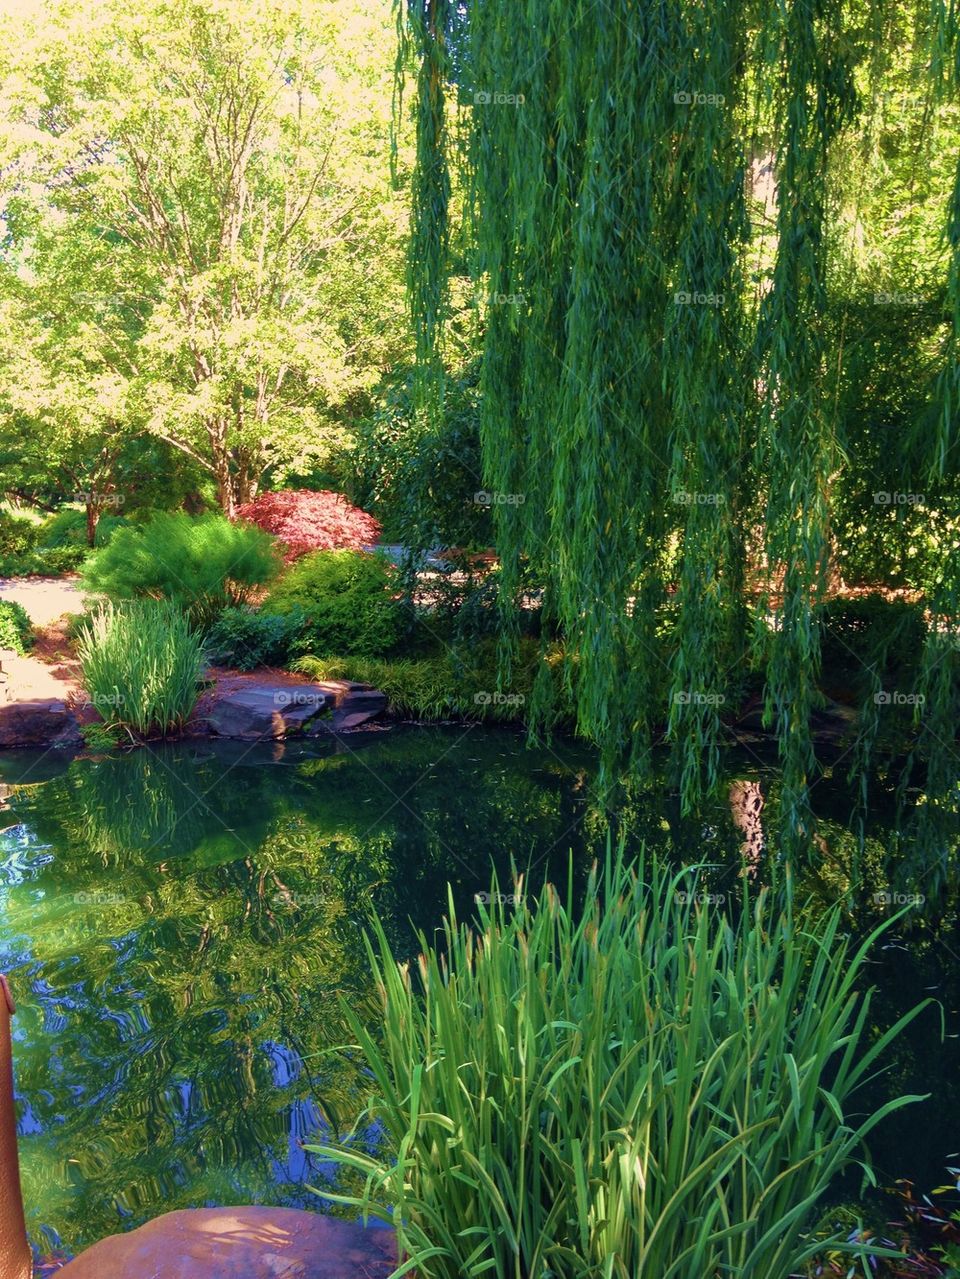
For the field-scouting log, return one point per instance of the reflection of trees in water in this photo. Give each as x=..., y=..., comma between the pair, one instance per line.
x=154, y=802
x=179, y=982
x=179, y=964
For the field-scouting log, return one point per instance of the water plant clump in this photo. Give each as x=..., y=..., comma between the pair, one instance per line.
x=652, y=1085
x=142, y=663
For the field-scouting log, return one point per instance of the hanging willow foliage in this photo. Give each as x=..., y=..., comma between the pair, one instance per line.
x=645, y=410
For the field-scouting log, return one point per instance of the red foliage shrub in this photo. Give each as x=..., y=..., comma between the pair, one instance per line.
x=306, y=521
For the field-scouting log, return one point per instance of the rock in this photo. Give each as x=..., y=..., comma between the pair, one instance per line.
x=268, y=710
x=259, y=710
x=830, y=723
x=353, y=704
x=239, y=1243
x=47, y=722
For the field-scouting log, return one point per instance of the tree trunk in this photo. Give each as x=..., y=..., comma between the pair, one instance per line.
x=225, y=496
x=93, y=519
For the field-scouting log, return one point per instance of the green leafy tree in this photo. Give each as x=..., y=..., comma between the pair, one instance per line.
x=219, y=180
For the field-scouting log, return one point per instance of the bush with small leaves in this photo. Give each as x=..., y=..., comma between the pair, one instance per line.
x=346, y=601
x=246, y=639
x=16, y=631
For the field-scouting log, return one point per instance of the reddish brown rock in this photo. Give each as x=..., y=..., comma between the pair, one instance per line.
x=239, y=1243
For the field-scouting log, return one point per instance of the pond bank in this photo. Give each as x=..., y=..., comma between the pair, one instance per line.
x=41, y=709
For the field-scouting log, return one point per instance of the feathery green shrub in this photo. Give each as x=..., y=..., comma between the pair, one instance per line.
x=656, y=1087
x=203, y=563
x=142, y=663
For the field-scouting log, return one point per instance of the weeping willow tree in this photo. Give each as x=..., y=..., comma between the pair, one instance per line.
x=658, y=378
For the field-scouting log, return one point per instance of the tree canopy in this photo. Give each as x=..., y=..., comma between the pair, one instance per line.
x=202, y=242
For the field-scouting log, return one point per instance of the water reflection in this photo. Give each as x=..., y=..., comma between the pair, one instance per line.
x=181, y=922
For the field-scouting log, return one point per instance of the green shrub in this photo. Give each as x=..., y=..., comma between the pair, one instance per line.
x=656, y=1088
x=203, y=563
x=346, y=601
x=17, y=535
x=871, y=633
x=245, y=639
x=142, y=663
x=69, y=528
x=16, y=631
x=44, y=561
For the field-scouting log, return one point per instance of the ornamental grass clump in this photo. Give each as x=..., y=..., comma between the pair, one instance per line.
x=142, y=664
x=648, y=1087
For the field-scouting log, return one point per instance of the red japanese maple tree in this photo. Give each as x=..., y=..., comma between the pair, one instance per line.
x=311, y=521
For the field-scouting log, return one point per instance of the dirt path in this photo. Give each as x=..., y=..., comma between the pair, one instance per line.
x=50, y=670
x=44, y=598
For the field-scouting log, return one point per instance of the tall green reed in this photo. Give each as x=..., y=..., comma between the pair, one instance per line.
x=141, y=665
x=652, y=1086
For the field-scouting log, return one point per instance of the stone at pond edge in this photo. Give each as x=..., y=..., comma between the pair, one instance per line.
x=46, y=722
x=257, y=711
x=239, y=1243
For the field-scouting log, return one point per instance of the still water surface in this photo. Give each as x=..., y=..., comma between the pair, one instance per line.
x=181, y=923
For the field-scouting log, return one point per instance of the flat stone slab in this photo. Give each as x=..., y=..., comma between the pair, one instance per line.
x=353, y=704
x=239, y=1243
x=258, y=711
x=267, y=710
x=43, y=722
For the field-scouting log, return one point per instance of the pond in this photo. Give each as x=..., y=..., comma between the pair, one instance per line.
x=181, y=923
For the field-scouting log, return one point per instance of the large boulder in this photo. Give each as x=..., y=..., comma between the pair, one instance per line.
x=45, y=722
x=353, y=704
x=262, y=710
x=239, y=1243
x=267, y=710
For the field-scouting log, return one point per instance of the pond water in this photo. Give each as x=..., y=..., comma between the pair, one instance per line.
x=181, y=922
